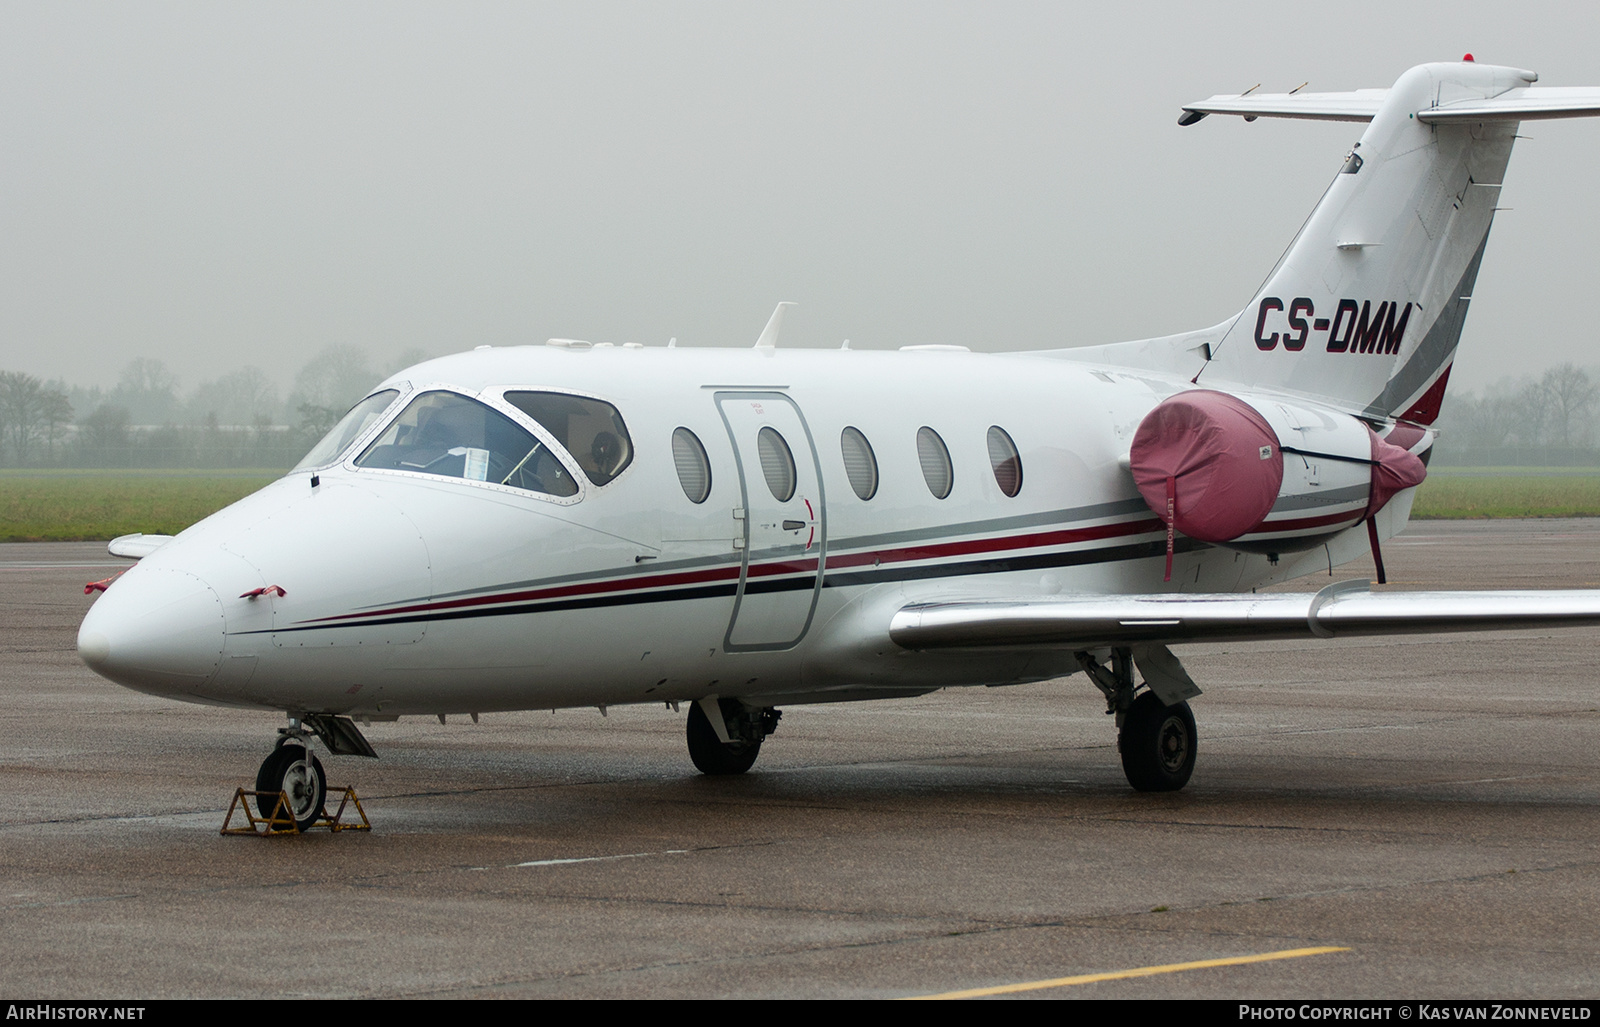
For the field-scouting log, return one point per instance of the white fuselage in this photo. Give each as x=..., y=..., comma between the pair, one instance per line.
x=406, y=592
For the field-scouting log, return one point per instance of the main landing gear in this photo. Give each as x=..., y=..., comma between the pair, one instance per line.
x=732, y=749
x=1157, y=739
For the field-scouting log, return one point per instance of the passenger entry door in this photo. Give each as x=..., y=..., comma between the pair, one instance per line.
x=784, y=529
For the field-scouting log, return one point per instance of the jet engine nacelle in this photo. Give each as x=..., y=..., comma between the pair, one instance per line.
x=1265, y=475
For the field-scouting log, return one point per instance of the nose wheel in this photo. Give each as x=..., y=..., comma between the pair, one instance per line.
x=292, y=770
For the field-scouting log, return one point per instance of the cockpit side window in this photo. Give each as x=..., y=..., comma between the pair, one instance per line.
x=447, y=434
x=590, y=429
x=350, y=426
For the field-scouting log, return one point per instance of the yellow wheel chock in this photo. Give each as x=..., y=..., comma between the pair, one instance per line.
x=281, y=822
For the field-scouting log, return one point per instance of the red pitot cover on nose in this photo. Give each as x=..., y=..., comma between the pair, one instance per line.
x=1222, y=457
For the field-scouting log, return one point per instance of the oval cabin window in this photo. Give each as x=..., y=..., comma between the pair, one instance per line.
x=777, y=464
x=935, y=460
x=1006, y=461
x=860, y=466
x=694, y=470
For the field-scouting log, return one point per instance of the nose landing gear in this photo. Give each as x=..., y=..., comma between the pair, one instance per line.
x=291, y=770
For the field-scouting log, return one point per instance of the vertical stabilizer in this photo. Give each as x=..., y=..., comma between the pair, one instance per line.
x=1366, y=307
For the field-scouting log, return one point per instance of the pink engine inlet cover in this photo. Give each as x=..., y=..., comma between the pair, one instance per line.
x=1222, y=458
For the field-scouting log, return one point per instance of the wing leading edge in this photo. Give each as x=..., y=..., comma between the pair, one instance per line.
x=1346, y=609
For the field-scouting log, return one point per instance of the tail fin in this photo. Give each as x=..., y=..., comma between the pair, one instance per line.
x=1365, y=309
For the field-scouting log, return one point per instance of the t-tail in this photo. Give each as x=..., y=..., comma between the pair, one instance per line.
x=1364, y=310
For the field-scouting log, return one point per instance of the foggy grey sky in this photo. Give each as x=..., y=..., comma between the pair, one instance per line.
x=221, y=184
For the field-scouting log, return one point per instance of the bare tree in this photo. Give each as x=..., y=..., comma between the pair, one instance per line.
x=333, y=380
x=22, y=398
x=104, y=437
x=1569, y=396
x=1471, y=422
x=55, y=414
x=238, y=398
x=148, y=390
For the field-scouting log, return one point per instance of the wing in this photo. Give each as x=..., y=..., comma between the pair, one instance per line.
x=1342, y=610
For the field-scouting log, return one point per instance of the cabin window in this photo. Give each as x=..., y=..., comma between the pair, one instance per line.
x=447, y=434
x=349, y=428
x=1005, y=461
x=590, y=429
x=777, y=464
x=694, y=470
x=860, y=465
x=935, y=460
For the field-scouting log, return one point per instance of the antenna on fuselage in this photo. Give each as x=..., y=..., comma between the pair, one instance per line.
x=846, y=344
x=672, y=343
x=769, y=334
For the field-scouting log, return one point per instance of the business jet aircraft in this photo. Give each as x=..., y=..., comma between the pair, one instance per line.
x=588, y=525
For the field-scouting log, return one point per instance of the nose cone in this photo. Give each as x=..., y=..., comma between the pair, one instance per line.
x=155, y=629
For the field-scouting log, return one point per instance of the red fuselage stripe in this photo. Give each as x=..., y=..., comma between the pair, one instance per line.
x=908, y=553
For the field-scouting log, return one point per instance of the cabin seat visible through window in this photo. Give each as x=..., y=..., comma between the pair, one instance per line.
x=591, y=430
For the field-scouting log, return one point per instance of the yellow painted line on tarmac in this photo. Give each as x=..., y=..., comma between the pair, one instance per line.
x=1143, y=971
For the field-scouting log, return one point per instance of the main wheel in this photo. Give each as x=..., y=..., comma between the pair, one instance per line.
x=711, y=754
x=1157, y=744
x=289, y=770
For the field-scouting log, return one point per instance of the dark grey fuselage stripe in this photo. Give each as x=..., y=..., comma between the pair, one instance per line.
x=1435, y=349
x=1118, y=508
x=1350, y=494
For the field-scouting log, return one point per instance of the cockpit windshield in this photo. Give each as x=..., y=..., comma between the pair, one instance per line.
x=447, y=434
x=351, y=425
x=590, y=429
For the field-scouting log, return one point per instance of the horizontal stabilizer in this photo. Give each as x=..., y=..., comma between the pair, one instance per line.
x=1525, y=104
x=1360, y=105
x=136, y=546
x=1345, y=609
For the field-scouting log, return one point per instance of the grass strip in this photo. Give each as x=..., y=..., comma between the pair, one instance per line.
x=1448, y=497
x=84, y=506
x=90, y=507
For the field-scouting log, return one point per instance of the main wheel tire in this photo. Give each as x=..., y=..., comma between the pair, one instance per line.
x=1157, y=744
x=711, y=754
x=287, y=770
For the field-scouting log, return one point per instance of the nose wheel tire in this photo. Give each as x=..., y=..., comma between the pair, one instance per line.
x=297, y=774
x=1157, y=744
x=710, y=754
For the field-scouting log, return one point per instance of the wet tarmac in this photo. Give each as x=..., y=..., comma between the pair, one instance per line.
x=1426, y=805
